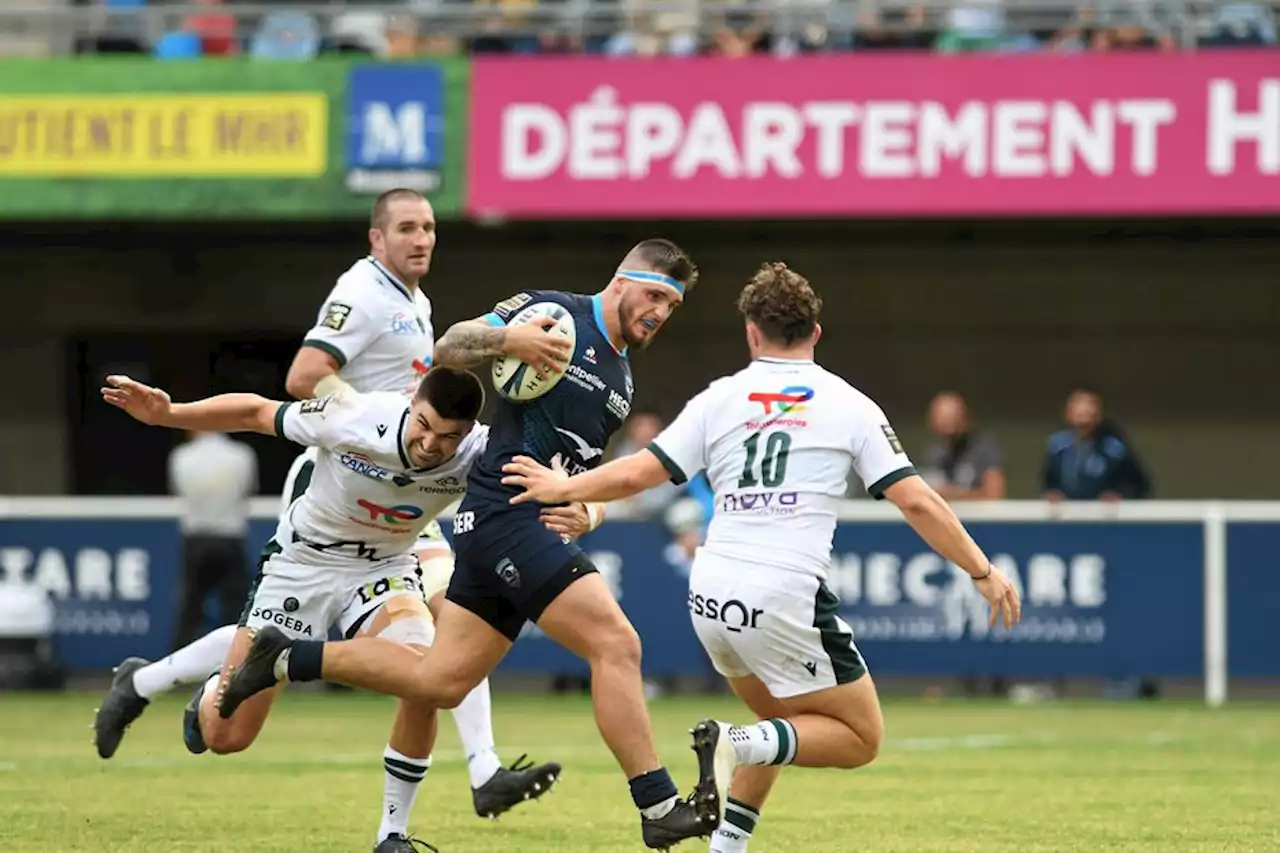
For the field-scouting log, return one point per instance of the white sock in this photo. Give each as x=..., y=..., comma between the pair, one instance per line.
x=475, y=728
x=768, y=742
x=735, y=831
x=403, y=777
x=188, y=665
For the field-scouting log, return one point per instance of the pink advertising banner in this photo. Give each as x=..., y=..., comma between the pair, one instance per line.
x=868, y=136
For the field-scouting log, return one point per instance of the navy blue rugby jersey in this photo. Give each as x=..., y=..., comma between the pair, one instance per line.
x=573, y=421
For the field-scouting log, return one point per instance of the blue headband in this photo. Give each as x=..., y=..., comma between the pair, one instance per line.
x=655, y=277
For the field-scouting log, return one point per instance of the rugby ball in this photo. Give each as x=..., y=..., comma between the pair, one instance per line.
x=518, y=382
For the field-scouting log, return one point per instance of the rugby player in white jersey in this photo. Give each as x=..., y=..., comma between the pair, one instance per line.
x=372, y=333
x=777, y=440
x=343, y=555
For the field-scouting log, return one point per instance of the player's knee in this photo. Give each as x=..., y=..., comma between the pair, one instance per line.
x=226, y=739
x=450, y=692
x=618, y=646
x=863, y=746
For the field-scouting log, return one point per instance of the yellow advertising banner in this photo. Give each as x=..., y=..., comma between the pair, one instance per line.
x=269, y=135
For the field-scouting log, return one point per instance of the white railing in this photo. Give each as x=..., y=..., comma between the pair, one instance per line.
x=1214, y=515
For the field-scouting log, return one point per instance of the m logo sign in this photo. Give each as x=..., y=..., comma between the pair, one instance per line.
x=395, y=128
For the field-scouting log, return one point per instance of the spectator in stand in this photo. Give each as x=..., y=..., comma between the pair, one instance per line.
x=216, y=28
x=893, y=29
x=962, y=463
x=1091, y=459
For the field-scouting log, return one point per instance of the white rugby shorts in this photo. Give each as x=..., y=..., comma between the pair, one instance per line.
x=304, y=601
x=776, y=624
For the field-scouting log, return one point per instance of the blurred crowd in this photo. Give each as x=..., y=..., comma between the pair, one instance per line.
x=1087, y=458
x=435, y=28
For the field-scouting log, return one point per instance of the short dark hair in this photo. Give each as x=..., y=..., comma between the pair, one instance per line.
x=781, y=303
x=456, y=395
x=378, y=218
x=666, y=257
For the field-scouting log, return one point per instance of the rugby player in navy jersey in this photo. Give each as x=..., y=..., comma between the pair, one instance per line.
x=512, y=569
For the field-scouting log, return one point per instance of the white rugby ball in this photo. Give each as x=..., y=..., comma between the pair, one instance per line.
x=519, y=382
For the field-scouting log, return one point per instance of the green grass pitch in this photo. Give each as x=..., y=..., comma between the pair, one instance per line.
x=952, y=777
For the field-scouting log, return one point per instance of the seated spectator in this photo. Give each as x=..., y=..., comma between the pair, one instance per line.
x=1240, y=25
x=739, y=33
x=1091, y=459
x=1132, y=26
x=962, y=463
x=359, y=32
x=893, y=29
x=287, y=35
x=216, y=28
x=648, y=34
x=974, y=26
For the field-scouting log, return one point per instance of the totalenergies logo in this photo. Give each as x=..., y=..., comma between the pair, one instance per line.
x=390, y=514
x=788, y=401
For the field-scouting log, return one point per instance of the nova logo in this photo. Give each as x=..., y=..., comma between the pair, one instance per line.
x=395, y=128
x=786, y=402
x=758, y=501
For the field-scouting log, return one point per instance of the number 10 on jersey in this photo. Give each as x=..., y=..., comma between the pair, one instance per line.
x=773, y=462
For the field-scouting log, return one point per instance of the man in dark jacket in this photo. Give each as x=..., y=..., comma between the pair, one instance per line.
x=1091, y=459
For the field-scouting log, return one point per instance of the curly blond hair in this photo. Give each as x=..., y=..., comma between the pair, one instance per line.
x=781, y=303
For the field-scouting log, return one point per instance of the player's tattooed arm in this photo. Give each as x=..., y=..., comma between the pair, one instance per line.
x=469, y=343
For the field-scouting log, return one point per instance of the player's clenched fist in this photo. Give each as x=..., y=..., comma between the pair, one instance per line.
x=530, y=343
x=141, y=402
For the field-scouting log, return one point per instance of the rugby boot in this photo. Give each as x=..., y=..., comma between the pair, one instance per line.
x=397, y=843
x=685, y=820
x=256, y=673
x=191, y=735
x=120, y=707
x=511, y=786
x=717, y=759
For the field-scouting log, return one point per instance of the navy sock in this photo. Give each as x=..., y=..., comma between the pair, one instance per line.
x=306, y=659
x=649, y=789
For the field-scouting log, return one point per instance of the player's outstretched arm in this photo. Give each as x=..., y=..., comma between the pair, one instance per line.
x=931, y=517
x=621, y=478
x=223, y=413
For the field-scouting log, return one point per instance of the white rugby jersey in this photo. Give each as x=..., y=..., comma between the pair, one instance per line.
x=366, y=502
x=379, y=331
x=777, y=440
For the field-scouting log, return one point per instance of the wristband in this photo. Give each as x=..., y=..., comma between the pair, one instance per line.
x=595, y=514
x=987, y=575
x=332, y=384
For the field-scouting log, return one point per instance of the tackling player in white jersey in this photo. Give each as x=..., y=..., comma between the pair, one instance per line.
x=777, y=440
x=343, y=553
x=373, y=333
